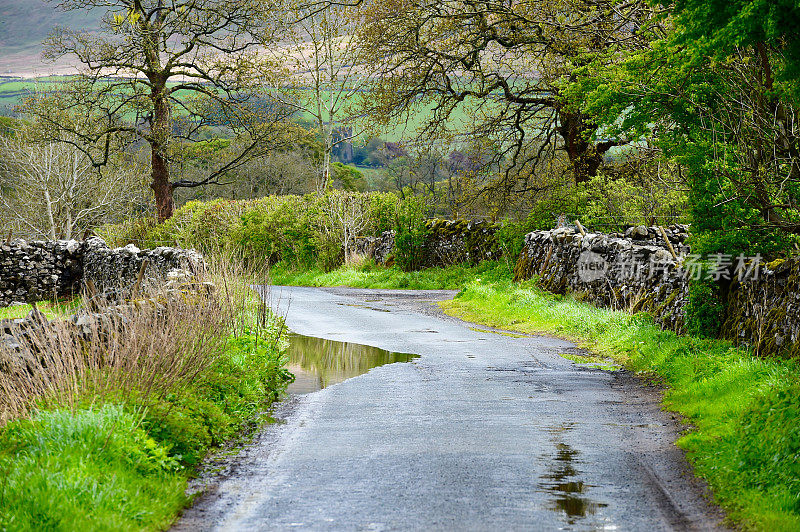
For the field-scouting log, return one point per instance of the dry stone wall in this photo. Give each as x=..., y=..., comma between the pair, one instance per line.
x=765, y=311
x=116, y=271
x=637, y=271
x=34, y=271
x=447, y=242
x=634, y=271
x=40, y=270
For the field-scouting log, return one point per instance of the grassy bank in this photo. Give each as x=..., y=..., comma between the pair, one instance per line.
x=742, y=413
x=111, y=443
x=369, y=275
x=51, y=309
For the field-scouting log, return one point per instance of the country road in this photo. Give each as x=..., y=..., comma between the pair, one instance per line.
x=483, y=431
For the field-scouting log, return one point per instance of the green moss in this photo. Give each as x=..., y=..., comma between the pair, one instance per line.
x=775, y=264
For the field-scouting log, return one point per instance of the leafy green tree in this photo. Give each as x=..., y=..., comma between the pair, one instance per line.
x=714, y=93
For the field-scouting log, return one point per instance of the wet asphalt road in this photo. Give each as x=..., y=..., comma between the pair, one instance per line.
x=482, y=432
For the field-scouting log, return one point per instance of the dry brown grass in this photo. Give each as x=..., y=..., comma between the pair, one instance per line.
x=147, y=348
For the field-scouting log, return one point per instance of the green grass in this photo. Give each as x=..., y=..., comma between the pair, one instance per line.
x=742, y=413
x=368, y=275
x=93, y=469
x=51, y=309
x=122, y=465
x=120, y=460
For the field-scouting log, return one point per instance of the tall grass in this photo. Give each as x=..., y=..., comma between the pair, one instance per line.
x=103, y=434
x=152, y=347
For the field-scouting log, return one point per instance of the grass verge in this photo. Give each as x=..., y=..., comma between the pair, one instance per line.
x=51, y=309
x=108, y=438
x=370, y=275
x=742, y=413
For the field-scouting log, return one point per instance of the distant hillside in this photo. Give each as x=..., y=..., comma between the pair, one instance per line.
x=25, y=23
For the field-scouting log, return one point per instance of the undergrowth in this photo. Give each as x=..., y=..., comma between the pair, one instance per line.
x=108, y=439
x=742, y=413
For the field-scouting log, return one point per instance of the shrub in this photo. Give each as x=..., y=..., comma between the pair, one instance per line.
x=278, y=229
x=411, y=230
x=134, y=231
x=705, y=309
x=382, y=212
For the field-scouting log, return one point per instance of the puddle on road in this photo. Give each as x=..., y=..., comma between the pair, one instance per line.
x=567, y=491
x=318, y=363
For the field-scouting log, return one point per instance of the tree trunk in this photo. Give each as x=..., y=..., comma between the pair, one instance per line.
x=160, y=184
x=326, y=169
x=585, y=157
x=160, y=132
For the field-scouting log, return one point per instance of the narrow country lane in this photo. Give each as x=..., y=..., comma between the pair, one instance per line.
x=483, y=431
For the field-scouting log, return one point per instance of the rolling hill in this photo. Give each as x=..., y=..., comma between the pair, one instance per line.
x=23, y=26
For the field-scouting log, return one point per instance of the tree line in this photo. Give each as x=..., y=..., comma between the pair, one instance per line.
x=610, y=110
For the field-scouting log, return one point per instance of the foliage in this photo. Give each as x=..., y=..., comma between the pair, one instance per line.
x=346, y=177
x=300, y=231
x=465, y=56
x=134, y=231
x=232, y=392
x=717, y=101
x=410, y=232
x=742, y=410
x=636, y=191
x=705, y=309
x=720, y=26
x=278, y=229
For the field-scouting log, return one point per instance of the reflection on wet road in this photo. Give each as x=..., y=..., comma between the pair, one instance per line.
x=318, y=363
x=483, y=431
x=569, y=494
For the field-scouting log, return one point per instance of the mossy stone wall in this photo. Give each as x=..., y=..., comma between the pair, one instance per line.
x=633, y=271
x=447, y=242
x=765, y=311
x=762, y=311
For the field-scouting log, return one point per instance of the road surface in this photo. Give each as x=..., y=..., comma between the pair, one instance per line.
x=484, y=431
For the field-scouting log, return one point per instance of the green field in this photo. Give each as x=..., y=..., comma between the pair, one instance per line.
x=14, y=90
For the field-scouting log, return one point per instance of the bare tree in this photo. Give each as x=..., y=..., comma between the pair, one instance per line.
x=346, y=214
x=321, y=53
x=161, y=71
x=51, y=190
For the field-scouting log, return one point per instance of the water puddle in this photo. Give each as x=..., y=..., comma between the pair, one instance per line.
x=562, y=482
x=318, y=363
